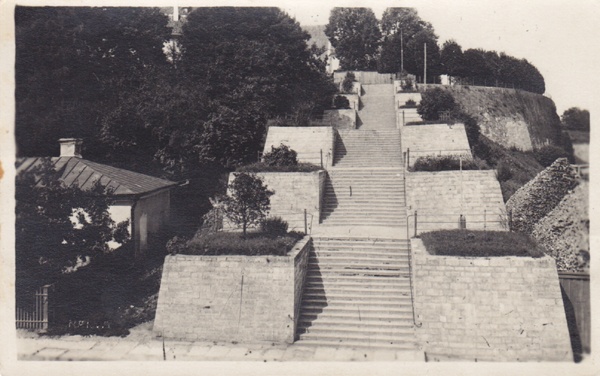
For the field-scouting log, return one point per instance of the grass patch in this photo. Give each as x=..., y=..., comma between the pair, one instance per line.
x=263, y=167
x=233, y=243
x=466, y=243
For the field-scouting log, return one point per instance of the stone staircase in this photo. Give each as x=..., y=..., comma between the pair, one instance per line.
x=378, y=108
x=368, y=148
x=364, y=197
x=357, y=294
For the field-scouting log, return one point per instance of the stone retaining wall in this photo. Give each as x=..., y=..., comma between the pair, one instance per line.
x=434, y=139
x=232, y=298
x=309, y=142
x=294, y=192
x=441, y=197
x=496, y=309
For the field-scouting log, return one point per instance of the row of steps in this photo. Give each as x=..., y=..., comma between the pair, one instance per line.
x=377, y=111
x=357, y=294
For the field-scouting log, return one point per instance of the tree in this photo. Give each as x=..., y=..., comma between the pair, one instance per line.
x=70, y=62
x=355, y=35
x=451, y=58
x=59, y=229
x=576, y=119
x=434, y=102
x=403, y=28
x=248, y=201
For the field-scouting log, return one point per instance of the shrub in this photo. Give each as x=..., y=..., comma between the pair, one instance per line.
x=341, y=103
x=546, y=155
x=409, y=104
x=176, y=245
x=263, y=167
x=503, y=171
x=538, y=197
x=248, y=201
x=348, y=82
x=467, y=243
x=228, y=243
x=281, y=156
x=407, y=84
x=274, y=226
x=434, y=102
x=448, y=162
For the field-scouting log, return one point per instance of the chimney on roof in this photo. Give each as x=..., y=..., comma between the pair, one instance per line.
x=70, y=147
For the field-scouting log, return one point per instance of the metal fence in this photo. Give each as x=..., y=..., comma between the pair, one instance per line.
x=34, y=316
x=419, y=221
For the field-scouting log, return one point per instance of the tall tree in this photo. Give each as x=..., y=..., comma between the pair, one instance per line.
x=70, y=62
x=451, y=58
x=355, y=35
x=403, y=28
x=576, y=119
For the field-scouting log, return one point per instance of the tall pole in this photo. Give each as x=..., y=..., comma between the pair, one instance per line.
x=401, y=53
x=425, y=66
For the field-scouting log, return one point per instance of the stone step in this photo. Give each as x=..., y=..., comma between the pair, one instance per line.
x=373, y=297
x=411, y=350
x=374, y=272
x=349, y=289
x=340, y=280
x=404, y=339
x=357, y=284
x=328, y=258
x=399, y=321
x=359, y=308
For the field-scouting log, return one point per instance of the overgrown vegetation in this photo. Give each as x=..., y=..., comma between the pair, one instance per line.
x=448, y=162
x=469, y=243
x=434, y=102
x=409, y=104
x=546, y=155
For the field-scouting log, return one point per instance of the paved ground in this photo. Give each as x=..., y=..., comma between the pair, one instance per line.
x=140, y=345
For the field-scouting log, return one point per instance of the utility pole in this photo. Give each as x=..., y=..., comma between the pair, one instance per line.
x=401, y=53
x=425, y=66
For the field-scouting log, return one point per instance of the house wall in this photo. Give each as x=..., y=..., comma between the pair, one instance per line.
x=308, y=142
x=494, y=309
x=151, y=214
x=232, y=298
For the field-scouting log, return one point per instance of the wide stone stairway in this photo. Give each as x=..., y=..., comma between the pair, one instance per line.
x=357, y=294
x=378, y=110
x=358, y=287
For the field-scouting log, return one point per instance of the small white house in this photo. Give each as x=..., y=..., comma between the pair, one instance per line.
x=143, y=200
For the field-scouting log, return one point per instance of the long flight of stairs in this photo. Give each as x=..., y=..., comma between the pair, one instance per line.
x=357, y=294
x=378, y=110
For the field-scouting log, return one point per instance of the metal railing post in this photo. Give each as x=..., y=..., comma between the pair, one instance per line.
x=321, y=158
x=305, y=223
x=407, y=157
x=415, y=223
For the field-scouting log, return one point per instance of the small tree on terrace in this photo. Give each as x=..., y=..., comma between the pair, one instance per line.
x=434, y=102
x=248, y=201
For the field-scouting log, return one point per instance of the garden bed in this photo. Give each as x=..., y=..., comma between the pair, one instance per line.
x=448, y=163
x=233, y=243
x=466, y=243
x=263, y=167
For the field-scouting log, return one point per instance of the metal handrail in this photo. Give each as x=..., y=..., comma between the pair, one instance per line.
x=410, y=277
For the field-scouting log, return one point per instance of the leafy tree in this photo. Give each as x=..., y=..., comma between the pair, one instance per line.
x=59, y=229
x=576, y=119
x=281, y=156
x=403, y=26
x=248, y=201
x=341, y=103
x=451, y=58
x=70, y=62
x=355, y=35
x=434, y=102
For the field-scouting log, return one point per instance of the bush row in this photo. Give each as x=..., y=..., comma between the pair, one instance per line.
x=467, y=243
x=448, y=162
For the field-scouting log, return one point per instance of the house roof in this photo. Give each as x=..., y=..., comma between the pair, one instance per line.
x=84, y=174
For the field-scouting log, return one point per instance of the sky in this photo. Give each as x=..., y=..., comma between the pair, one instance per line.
x=558, y=37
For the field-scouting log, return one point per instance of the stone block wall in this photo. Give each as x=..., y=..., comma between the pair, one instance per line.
x=308, y=142
x=340, y=119
x=496, y=309
x=441, y=197
x=294, y=192
x=232, y=298
x=438, y=139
